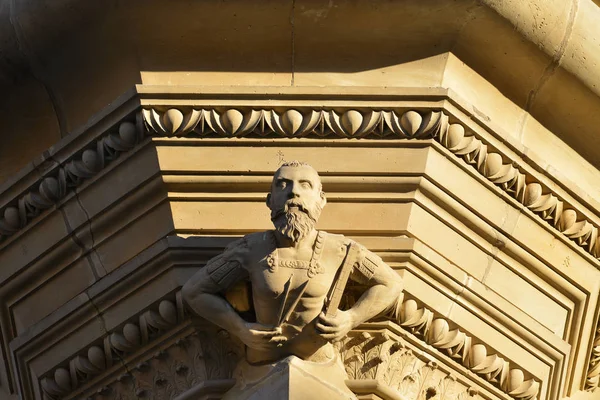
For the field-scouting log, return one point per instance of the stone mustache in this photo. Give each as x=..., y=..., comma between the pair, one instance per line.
x=297, y=275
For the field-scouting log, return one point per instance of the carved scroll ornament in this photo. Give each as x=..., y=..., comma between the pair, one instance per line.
x=375, y=355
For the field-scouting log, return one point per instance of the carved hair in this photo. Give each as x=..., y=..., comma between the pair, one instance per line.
x=294, y=163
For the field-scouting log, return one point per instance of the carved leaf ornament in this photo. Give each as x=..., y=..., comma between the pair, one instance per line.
x=462, y=348
x=52, y=189
x=293, y=123
x=114, y=347
x=365, y=356
x=313, y=123
x=381, y=355
x=593, y=377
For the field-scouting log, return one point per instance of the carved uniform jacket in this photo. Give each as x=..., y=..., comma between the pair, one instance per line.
x=276, y=282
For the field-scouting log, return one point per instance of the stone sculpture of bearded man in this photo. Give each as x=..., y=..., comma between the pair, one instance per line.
x=293, y=272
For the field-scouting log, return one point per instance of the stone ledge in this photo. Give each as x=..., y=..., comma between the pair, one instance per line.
x=493, y=164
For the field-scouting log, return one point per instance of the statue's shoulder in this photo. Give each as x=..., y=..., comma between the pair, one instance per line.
x=258, y=238
x=231, y=265
x=250, y=240
x=335, y=239
x=257, y=242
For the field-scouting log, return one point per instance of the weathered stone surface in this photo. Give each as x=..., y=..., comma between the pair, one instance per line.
x=456, y=140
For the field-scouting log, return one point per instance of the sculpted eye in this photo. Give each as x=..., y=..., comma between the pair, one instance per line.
x=281, y=184
x=306, y=185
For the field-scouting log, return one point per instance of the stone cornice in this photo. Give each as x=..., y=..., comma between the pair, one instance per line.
x=538, y=43
x=498, y=168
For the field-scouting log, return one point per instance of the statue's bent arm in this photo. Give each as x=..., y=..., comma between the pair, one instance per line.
x=201, y=293
x=384, y=287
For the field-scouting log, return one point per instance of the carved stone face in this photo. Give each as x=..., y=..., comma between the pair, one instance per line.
x=296, y=200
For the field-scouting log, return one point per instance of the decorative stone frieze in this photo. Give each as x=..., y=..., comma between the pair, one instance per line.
x=211, y=355
x=114, y=348
x=466, y=350
x=293, y=123
x=54, y=187
x=350, y=123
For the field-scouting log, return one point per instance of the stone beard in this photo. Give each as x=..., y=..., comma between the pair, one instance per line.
x=295, y=220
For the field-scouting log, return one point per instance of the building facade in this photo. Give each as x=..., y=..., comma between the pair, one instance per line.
x=458, y=140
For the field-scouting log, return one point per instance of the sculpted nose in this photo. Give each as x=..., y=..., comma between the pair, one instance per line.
x=293, y=192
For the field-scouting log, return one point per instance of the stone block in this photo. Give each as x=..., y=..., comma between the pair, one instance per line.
x=51, y=294
x=290, y=379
